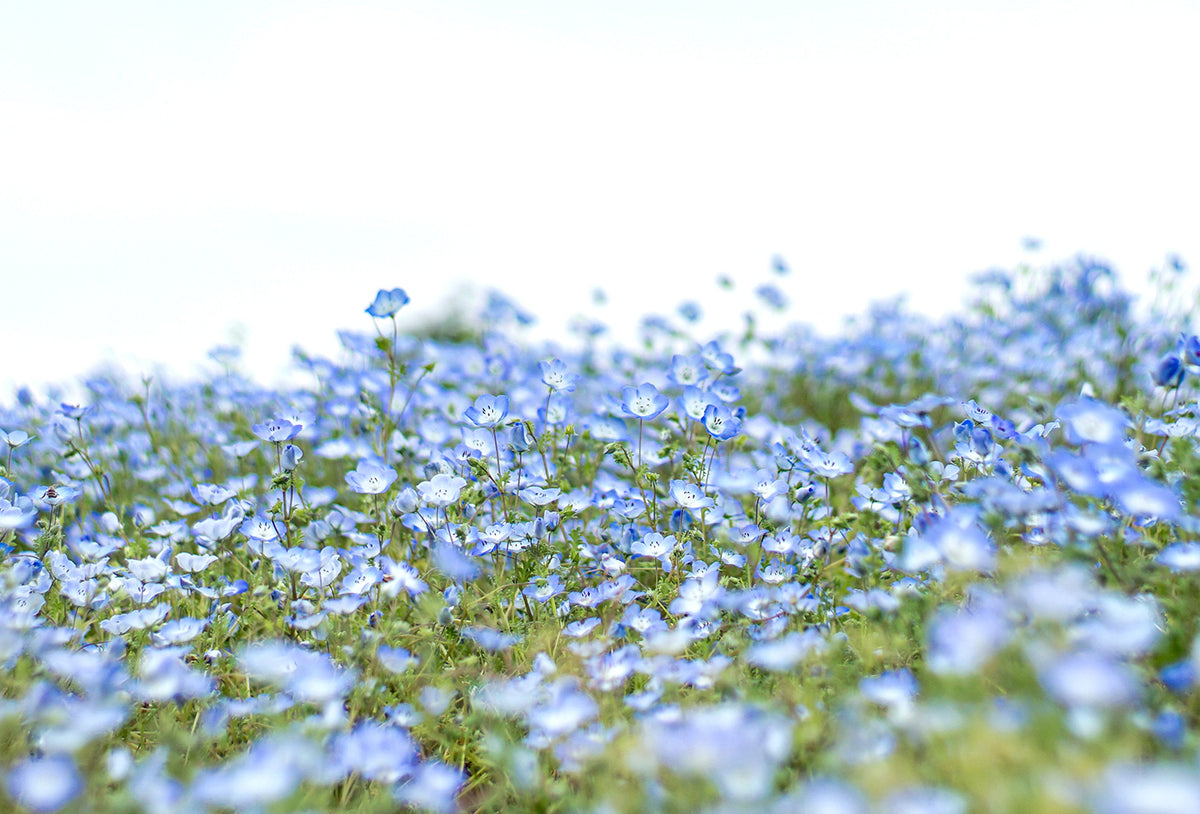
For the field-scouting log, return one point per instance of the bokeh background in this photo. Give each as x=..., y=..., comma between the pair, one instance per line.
x=175, y=176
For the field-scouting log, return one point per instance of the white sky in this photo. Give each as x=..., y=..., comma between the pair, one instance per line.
x=175, y=175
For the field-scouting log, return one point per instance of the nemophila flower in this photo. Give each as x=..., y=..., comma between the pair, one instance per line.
x=955, y=540
x=825, y=795
x=178, y=631
x=434, y=786
x=453, y=563
x=656, y=547
x=1147, y=788
x=395, y=660
x=487, y=411
x=44, y=784
x=539, y=496
x=49, y=497
x=1189, y=352
x=924, y=800
x=211, y=494
x=972, y=442
x=963, y=640
x=442, y=490
x=371, y=477
x=387, y=303
x=786, y=652
x=561, y=709
x=737, y=747
x=16, y=514
x=362, y=578
x=900, y=415
x=771, y=296
x=557, y=377
x=276, y=430
x=687, y=370
x=1138, y=496
x=270, y=770
x=717, y=360
x=774, y=571
x=259, y=528
x=874, y=599
x=239, y=449
x=581, y=628
x=695, y=401
x=75, y=411
x=1180, y=557
x=435, y=700
x=894, y=689
x=643, y=401
x=121, y=623
x=1169, y=372
x=1179, y=676
x=690, y=496
x=720, y=422
x=1089, y=421
x=558, y=410
x=542, y=589
x=586, y=597
x=827, y=464
x=1085, y=679
x=490, y=639
x=766, y=488
x=401, y=576
x=163, y=675
x=290, y=457
x=374, y=751
x=323, y=570
x=14, y=438
x=1120, y=626
x=518, y=439
x=698, y=595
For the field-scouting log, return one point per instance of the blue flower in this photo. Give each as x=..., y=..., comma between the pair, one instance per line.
x=1189, y=351
x=556, y=376
x=1168, y=372
x=291, y=457
x=489, y=639
x=387, y=303
x=441, y=490
x=720, y=422
x=1180, y=557
x=690, y=496
x=1089, y=421
x=277, y=429
x=643, y=401
x=487, y=411
x=695, y=401
x=15, y=438
x=1084, y=679
x=44, y=784
x=371, y=477
x=687, y=370
x=434, y=786
x=16, y=514
x=827, y=464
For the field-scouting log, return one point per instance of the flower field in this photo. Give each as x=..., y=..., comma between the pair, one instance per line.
x=923, y=566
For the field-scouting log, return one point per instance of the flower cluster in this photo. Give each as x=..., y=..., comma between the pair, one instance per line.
x=915, y=567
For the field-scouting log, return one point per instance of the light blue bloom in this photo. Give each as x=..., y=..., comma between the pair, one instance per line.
x=441, y=490
x=371, y=477
x=44, y=784
x=643, y=401
x=487, y=411
x=387, y=303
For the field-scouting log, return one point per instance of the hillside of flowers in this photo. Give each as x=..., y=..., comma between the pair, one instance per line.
x=927, y=565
